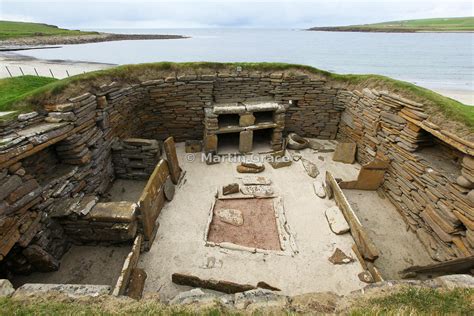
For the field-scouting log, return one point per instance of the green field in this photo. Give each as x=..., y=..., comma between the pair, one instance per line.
x=11, y=30
x=13, y=89
x=461, y=24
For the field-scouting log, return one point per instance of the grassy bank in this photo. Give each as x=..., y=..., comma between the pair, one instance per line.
x=410, y=301
x=12, y=30
x=462, y=24
x=134, y=73
x=18, y=88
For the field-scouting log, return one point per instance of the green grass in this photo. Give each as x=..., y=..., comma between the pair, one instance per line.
x=408, y=301
x=12, y=30
x=459, y=24
x=134, y=73
x=420, y=301
x=14, y=89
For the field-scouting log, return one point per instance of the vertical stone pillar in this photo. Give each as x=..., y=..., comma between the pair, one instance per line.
x=172, y=158
x=246, y=141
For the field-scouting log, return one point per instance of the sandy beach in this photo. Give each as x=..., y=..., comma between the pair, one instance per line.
x=17, y=64
x=13, y=64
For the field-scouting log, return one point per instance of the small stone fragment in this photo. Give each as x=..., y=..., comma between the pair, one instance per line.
x=336, y=220
x=277, y=161
x=319, y=189
x=310, y=168
x=231, y=216
x=462, y=181
x=257, y=190
x=6, y=288
x=366, y=277
x=246, y=167
x=470, y=196
x=265, y=285
x=339, y=257
x=230, y=189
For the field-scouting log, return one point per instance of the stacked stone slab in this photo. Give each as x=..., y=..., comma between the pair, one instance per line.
x=135, y=158
x=61, y=154
x=246, y=125
x=87, y=221
x=424, y=164
x=175, y=105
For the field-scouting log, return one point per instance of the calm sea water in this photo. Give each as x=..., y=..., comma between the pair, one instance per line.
x=428, y=59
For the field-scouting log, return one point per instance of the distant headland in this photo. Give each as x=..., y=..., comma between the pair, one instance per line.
x=437, y=25
x=34, y=34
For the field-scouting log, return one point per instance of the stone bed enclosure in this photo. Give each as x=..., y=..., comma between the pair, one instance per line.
x=58, y=162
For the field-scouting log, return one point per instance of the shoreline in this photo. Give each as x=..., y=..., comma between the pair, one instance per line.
x=375, y=30
x=39, y=42
x=64, y=68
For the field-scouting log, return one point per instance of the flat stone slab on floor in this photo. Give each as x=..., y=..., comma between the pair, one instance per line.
x=336, y=221
x=180, y=245
x=258, y=225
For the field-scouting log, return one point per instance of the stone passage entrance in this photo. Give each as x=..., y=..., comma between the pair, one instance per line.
x=223, y=121
x=246, y=222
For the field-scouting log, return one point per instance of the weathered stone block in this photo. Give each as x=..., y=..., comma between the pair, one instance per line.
x=117, y=212
x=246, y=119
x=246, y=141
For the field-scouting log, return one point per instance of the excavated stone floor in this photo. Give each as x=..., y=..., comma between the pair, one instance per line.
x=180, y=246
x=399, y=247
x=98, y=265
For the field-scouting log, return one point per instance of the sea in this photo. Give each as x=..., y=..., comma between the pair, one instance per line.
x=432, y=60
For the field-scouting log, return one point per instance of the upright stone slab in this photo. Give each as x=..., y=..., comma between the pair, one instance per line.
x=345, y=152
x=246, y=141
x=172, y=158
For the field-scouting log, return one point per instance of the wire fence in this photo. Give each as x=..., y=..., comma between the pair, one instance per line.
x=52, y=72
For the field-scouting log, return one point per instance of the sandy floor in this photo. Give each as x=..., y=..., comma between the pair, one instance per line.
x=399, y=248
x=180, y=245
x=126, y=190
x=16, y=63
x=83, y=265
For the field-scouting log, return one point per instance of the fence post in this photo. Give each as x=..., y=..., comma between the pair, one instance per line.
x=51, y=72
x=67, y=73
x=36, y=72
x=22, y=73
x=9, y=72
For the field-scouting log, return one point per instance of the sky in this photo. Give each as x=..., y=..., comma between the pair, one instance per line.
x=83, y=14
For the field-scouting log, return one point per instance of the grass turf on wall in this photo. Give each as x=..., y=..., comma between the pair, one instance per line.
x=16, y=89
x=131, y=73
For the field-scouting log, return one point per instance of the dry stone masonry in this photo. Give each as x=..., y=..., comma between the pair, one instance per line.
x=56, y=163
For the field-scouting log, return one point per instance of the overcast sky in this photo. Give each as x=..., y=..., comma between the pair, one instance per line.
x=225, y=13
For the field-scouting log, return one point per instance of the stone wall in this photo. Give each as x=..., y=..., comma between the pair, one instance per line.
x=63, y=152
x=424, y=179
x=135, y=158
